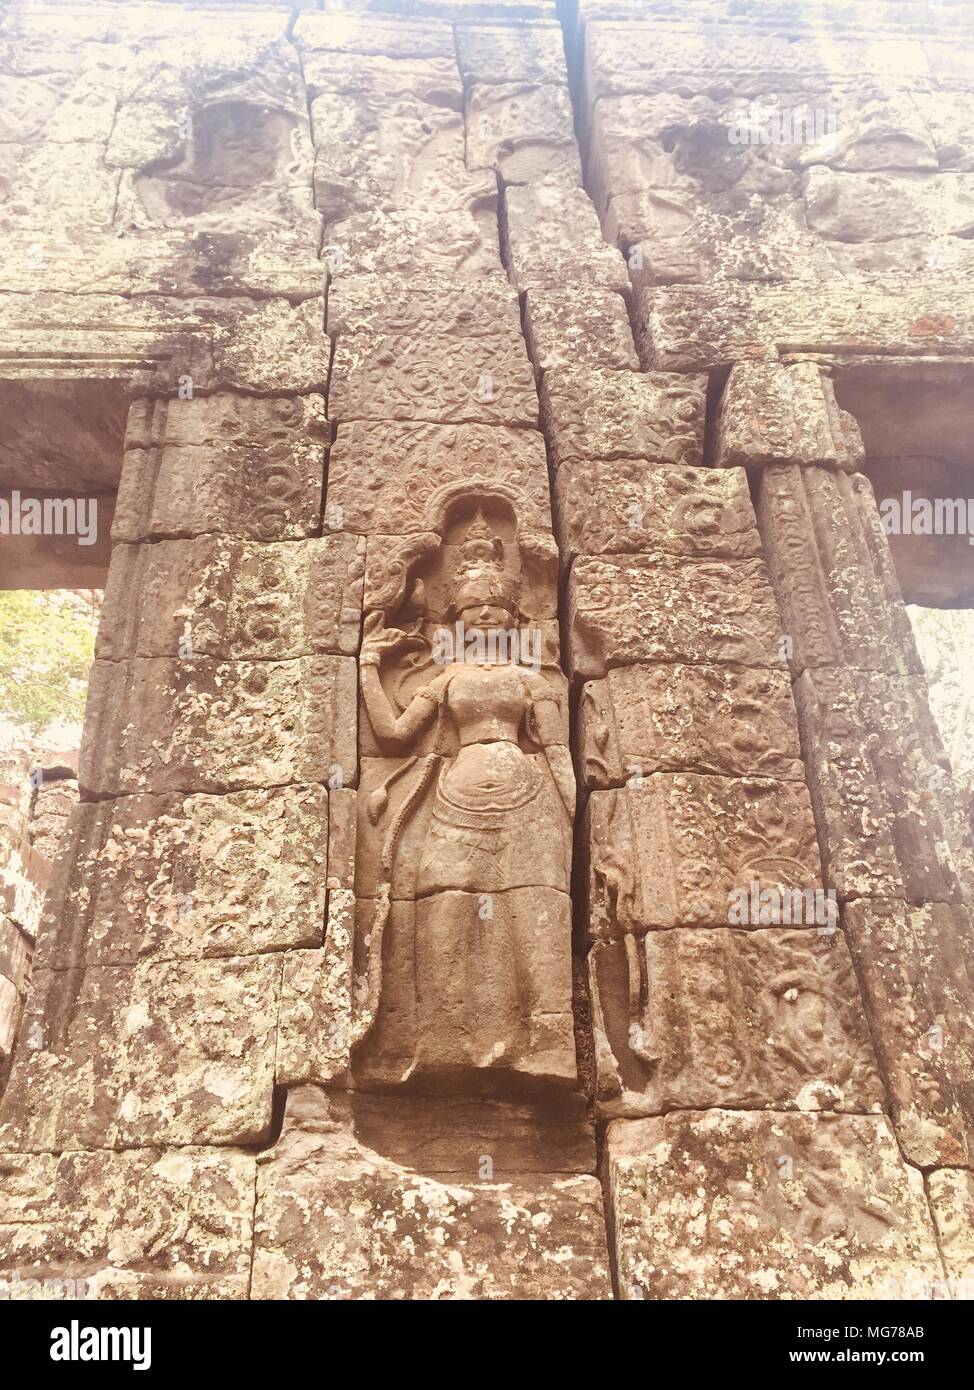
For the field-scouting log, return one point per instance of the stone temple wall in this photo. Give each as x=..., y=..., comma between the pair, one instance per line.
x=640, y=967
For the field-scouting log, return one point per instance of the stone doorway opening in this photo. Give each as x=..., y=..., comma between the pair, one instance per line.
x=60, y=462
x=917, y=423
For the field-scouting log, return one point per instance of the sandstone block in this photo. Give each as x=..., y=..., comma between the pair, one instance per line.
x=606, y=415
x=916, y=965
x=679, y=849
x=217, y=597
x=832, y=573
x=952, y=1202
x=173, y=877
x=523, y=132
x=625, y=609
x=580, y=327
x=762, y=1019
x=143, y=1224
x=387, y=477
x=552, y=234
x=733, y=721
x=158, y=725
x=631, y=506
x=757, y=1205
x=338, y=1220
x=157, y=1053
x=235, y=465
x=775, y=414
x=492, y=53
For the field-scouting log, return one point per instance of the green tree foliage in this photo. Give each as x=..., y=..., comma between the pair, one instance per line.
x=47, y=644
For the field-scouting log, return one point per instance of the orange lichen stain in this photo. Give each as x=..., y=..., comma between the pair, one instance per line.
x=932, y=326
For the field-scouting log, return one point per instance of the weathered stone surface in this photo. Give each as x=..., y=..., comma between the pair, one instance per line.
x=625, y=609
x=630, y=506
x=335, y=1219
x=158, y=725
x=766, y=1019
x=886, y=806
x=231, y=464
x=171, y=877
x=581, y=327
x=367, y=308
x=952, y=1203
x=443, y=379
x=143, y=1224
x=916, y=965
x=162, y=344
x=15, y=953
x=775, y=414
x=492, y=53
x=10, y=1009
x=676, y=849
x=831, y=571
x=551, y=231
x=604, y=415
x=765, y=1206
x=392, y=478
x=458, y=239
x=233, y=599
x=734, y=721
x=373, y=34
x=523, y=132
x=156, y=1053
x=874, y=206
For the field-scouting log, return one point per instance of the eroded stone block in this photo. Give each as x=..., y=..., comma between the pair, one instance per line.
x=680, y=849
x=233, y=599
x=158, y=725
x=337, y=1219
x=775, y=414
x=608, y=415
x=522, y=131
x=579, y=327
x=734, y=721
x=143, y=1224
x=529, y=52
x=763, y=1019
x=916, y=965
x=551, y=233
x=393, y=478
x=952, y=1203
x=765, y=1206
x=630, y=505
x=832, y=573
x=625, y=609
x=156, y=1053
x=172, y=877
x=235, y=465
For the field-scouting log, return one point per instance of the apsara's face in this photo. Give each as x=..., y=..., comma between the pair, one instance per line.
x=487, y=616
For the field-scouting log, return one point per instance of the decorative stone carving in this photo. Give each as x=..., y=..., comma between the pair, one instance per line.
x=580, y=327
x=230, y=464
x=754, y=1205
x=730, y=720
x=692, y=1019
x=548, y=226
x=161, y=725
x=522, y=131
x=775, y=414
x=233, y=599
x=831, y=571
x=631, y=505
x=666, y=608
x=673, y=849
x=177, y=878
x=605, y=415
x=478, y=839
x=916, y=965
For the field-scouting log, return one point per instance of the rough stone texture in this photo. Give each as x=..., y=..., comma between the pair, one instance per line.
x=522, y=132
x=599, y=414
x=157, y=1053
x=952, y=1203
x=664, y=608
x=669, y=849
x=185, y=877
x=916, y=965
x=142, y=1224
x=233, y=599
x=550, y=231
x=630, y=505
x=775, y=414
x=762, y=1019
x=832, y=573
x=157, y=725
x=230, y=464
x=757, y=1205
x=335, y=1219
x=397, y=478
x=730, y=720
x=886, y=806
x=582, y=327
